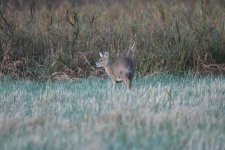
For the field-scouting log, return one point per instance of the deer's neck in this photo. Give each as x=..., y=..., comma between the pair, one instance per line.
x=109, y=70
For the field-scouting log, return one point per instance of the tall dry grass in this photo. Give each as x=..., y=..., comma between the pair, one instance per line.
x=170, y=36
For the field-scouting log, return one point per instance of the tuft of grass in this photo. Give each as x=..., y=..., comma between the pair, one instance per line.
x=160, y=112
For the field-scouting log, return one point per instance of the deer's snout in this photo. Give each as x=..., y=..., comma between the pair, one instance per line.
x=97, y=64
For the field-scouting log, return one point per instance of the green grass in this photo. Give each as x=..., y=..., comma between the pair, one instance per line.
x=160, y=112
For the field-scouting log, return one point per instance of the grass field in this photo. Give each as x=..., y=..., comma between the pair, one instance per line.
x=61, y=39
x=160, y=112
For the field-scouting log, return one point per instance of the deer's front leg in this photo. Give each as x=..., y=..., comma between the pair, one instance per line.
x=113, y=81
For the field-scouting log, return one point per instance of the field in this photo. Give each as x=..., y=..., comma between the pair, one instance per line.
x=160, y=112
x=52, y=96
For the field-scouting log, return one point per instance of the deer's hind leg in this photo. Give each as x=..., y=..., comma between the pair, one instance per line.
x=127, y=82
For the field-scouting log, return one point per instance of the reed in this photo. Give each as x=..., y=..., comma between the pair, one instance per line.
x=170, y=36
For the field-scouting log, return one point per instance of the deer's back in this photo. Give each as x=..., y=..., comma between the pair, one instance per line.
x=123, y=67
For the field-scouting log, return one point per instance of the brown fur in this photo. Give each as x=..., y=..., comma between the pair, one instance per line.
x=122, y=69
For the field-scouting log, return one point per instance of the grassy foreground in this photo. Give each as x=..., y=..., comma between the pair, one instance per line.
x=164, y=112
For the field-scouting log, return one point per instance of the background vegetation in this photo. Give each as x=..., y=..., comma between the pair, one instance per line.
x=164, y=112
x=42, y=37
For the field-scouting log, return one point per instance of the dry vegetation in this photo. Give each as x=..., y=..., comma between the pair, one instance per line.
x=40, y=38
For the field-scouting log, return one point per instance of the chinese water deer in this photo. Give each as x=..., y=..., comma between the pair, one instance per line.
x=122, y=70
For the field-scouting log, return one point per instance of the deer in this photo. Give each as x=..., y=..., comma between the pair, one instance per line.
x=122, y=70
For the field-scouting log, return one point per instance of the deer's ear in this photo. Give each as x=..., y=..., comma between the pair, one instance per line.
x=101, y=55
x=106, y=55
